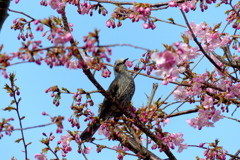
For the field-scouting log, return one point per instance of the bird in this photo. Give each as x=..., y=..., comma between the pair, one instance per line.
x=121, y=90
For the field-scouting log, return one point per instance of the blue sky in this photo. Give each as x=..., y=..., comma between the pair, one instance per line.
x=33, y=80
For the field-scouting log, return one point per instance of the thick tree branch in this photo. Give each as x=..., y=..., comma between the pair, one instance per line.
x=4, y=4
x=131, y=144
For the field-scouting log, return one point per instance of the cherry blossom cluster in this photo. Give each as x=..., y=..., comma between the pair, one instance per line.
x=139, y=11
x=19, y=24
x=103, y=130
x=213, y=151
x=191, y=5
x=205, y=117
x=147, y=115
x=65, y=141
x=6, y=127
x=4, y=61
x=92, y=46
x=98, y=54
x=56, y=34
x=209, y=37
x=174, y=60
x=40, y=156
x=172, y=140
x=56, y=5
x=120, y=149
x=84, y=8
x=142, y=11
x=46, y=141
x=233, y=16
x=74, y=122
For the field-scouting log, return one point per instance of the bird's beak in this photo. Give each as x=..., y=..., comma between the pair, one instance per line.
x=125, y=60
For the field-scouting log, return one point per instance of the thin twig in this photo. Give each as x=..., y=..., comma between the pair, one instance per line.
x=232, y=119
x=131, y=3
x=150, y=98
x=19, y=118
x=22, y=14
x=233, y=156
x=32, y=127
x=156, y=19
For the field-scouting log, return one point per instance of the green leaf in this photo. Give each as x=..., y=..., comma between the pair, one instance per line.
x=12, y=77
x=22, y=117
x=44, y=150
x=217, y=26
x=29, y=143
x=12, y=102
x=70, y=132
x=65, y=89
x=19, y=99
x=57, y=149
x=18, y=140
x=9, y=108
x=185, y=39
x=171, y=20
x=165, y=45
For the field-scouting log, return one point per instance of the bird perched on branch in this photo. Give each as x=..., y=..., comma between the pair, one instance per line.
x=121, y=89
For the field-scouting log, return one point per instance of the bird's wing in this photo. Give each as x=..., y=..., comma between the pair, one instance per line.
x=106, y=107
x=113, y=88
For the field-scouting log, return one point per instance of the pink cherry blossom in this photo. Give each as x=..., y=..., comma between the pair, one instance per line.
x=87, y=150
x=216, y=116
x=145, y=25
x=62, y=39
x=104, y=130
x=106, y=73
x=165, y=60
x=166, y=121
x=40, y=156
x=182, y=147
x=121, y=148
x=172, y=3
x=204, y=118
x=180, y=94
x=65, y=140
x=208, y=102
x=177, y=138
x=54, y=3
x=109, y=23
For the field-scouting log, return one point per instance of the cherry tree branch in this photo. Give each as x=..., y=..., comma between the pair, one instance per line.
x=131, y=144
x=14, y=90
x=183, y=112
x=32, y=127
x=22, y=14
x=235, y=157
x=161, y=4
x=232, y=119
x=170, y=22
x=150, y=98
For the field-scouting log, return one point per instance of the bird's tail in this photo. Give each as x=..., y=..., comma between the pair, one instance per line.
x=90, y=131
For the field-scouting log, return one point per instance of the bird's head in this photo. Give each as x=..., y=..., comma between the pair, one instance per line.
x=120, y=66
